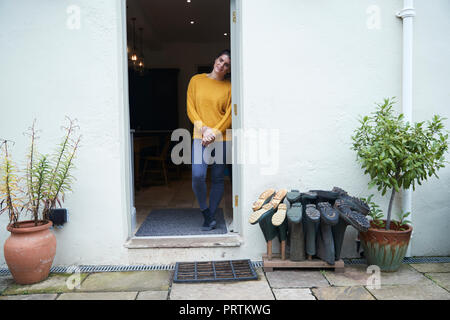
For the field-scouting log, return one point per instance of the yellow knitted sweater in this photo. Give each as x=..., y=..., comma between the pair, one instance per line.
x=209, y=104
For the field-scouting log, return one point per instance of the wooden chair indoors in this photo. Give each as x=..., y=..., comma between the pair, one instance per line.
x=161, y=158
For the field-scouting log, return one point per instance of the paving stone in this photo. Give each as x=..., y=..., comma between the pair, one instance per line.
x=55, y=283
x=127, y=281
x=352, y=276
x=296, y=279
x=342, y=293
x=358, y=276
x=420, y=290
x=5, y=281
x=98, y=296
x=231, y=290
x=431, y=267
x=152, y=295
x=293, y=294
x=45, y=296
x=442, y=279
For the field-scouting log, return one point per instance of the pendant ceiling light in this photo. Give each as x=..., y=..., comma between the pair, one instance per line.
x=141, y=65
x=133, y=55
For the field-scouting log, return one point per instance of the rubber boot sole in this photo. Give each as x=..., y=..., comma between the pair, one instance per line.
x=279, y=216
x=263, y=199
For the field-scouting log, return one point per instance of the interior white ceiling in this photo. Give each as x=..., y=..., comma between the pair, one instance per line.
x=169, y=21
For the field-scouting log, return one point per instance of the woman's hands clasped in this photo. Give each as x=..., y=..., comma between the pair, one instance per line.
x=208, y=136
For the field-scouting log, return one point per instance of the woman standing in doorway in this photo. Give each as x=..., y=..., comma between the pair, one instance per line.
x=209, y=109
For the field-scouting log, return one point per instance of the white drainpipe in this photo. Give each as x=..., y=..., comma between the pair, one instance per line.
x=407, y=14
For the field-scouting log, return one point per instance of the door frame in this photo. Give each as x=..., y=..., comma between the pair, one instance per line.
x=236, y=88
x=236, y=114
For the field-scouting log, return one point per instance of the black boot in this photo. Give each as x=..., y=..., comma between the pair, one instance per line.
x=209, y=220
x=325, y=243
x=293, y=196
x=338, y=231
x=353, y=203
x=311, y=225
x=326, y=196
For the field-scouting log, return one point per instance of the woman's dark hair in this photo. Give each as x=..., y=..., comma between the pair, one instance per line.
x=226, y=51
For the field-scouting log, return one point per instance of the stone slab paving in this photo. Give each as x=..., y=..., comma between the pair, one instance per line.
x=431, y=267
x=296, y=279
x=152, y=295
x=442, y=279
x=342, y=293
x=5, y=281
x=55, y=283
x=293, y=294
x=44, y=296
x=423, y=289
x=352, y=276
x=128, y=281
x=231, y=290
x=98, y=296
x=358, y=276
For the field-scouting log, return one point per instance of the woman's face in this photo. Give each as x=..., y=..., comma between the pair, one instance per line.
x=222, y=65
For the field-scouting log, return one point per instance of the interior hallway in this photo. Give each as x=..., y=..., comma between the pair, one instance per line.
x=178, y=194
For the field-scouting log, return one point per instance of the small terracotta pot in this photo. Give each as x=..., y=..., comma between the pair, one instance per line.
x=385, y=248
x=29, y=251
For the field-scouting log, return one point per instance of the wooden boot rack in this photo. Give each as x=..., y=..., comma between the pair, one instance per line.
x=279, y=261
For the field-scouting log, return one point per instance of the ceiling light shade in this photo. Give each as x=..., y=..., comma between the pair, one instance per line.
x=133, y=54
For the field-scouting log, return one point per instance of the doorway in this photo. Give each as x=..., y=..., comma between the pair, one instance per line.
x=167, y=43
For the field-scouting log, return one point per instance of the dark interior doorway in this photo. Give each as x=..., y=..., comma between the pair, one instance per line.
x=171, y=41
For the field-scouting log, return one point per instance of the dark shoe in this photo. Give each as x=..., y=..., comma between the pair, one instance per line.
x=338, y=231
x=293, y=196
x=308, y=198
x=355, y=204
x=311, y=223
x=328, y=214
x=325, y=243
x=209, y=223
x=340, y=191
x=265, y=223
x=326, y=196
x=297, y=242
x=295, y=212
x=356, y=219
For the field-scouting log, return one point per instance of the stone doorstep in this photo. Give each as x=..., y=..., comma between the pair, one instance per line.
x=212, y=241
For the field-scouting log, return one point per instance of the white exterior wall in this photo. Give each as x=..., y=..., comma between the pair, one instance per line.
x=431, y=95
x=50, y=71
x=309, y=69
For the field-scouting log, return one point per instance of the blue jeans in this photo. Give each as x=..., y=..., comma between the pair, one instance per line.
x=202, y=158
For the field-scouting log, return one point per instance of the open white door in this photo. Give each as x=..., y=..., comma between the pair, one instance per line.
x=235, y=6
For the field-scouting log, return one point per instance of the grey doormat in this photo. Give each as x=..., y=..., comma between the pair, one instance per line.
x=178, y=222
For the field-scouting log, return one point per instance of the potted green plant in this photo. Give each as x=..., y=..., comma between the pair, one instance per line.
x=30, y=249
x=396, y=155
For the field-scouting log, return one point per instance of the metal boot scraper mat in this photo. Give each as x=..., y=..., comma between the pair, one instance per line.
x=231, y=270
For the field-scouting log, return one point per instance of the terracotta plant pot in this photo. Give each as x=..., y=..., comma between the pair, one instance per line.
x=385, y=248
x=29, y=251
